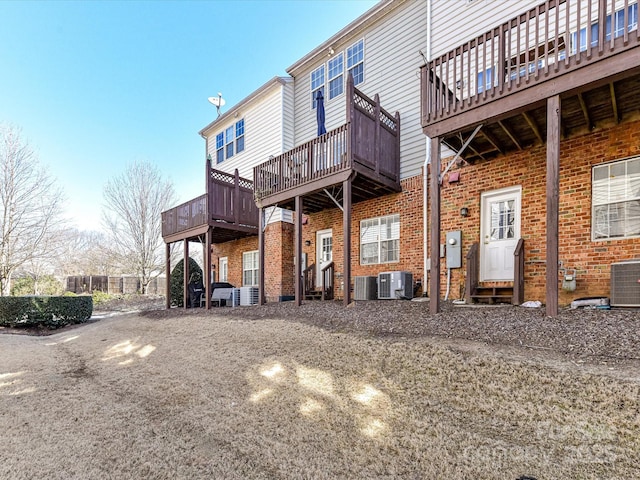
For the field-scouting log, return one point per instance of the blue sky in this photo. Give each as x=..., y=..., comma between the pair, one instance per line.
x=97, y=85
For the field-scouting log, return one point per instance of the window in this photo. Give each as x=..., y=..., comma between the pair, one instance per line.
x=486, y=80
x=220, y=148
x=615, y=199
x=224, y=269
x=380, y=240
x=355, y=62
x=317, y=84
x=336, y=83
x=250, y=268
x=228, y=137
x=240, y=136
x=618, y=29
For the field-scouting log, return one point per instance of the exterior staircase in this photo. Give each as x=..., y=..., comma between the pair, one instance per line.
x=492, y=294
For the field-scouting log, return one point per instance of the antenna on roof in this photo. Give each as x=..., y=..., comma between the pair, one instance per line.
x=217, y=101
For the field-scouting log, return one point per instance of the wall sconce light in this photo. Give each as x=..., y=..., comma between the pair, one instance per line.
x=307, y=243
x=464, y=212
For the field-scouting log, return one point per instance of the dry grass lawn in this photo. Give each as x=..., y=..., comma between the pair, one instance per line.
x=201, y=396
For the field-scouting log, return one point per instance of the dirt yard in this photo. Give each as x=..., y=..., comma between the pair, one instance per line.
x=376, y=390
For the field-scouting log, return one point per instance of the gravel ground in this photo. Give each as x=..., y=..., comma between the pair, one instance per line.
x=586, y=335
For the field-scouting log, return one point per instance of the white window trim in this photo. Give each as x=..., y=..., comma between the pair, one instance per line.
x=338, y=77
x=346, y=62
x=595, y=238
x=244, y=269
x=379, y=240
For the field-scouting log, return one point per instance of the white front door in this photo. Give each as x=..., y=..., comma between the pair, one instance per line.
x=324, y=252
x=499, y=233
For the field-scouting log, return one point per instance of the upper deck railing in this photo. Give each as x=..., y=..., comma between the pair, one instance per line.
x=229, y=199
x=552, y=39
x=369, y=141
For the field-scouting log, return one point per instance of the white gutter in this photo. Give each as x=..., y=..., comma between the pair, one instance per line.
x=425, y=180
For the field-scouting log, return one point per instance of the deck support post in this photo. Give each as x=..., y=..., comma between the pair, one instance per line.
x=553, y=197
x=261, y=222
x=298, y=250
x=207, y=269
x=346, y=227
x=167, y=269
x=185, y=279
x=434, y=194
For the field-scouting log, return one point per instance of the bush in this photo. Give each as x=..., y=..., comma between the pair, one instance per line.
x=51, y=312
x=177, y=280
x=100, y=298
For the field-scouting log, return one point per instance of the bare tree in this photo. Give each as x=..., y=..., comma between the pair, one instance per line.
x=30, y=207
x=134, y=201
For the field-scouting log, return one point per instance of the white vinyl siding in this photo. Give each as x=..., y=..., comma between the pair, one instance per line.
x=267, y=130
x=615, y=199
x=250, y=269
x=391, y=66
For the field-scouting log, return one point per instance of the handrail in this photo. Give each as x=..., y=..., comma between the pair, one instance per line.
x=309, y=279
x=551, y=39
x=185, y=216
x=328, y=280
x=518, y=274
x=473, y=268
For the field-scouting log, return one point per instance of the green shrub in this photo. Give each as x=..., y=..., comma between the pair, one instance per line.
x=51, y=312
x=177, y=280
x=100, y=298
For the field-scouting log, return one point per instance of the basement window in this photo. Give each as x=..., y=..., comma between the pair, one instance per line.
x=615, y=198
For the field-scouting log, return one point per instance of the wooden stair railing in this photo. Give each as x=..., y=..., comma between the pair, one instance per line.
x=308, y=280
x=328, y=280
x=473, y=273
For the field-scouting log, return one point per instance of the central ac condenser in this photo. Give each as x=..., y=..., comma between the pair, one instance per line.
x=395, y=285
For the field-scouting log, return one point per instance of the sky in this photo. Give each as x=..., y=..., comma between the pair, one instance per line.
x=95, y=86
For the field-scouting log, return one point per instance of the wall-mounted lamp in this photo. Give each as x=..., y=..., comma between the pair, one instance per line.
x=307, y=243
x=464, y=212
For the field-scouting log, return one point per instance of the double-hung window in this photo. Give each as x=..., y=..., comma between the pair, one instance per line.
x=487, y=79
x=380, y=240
x=355, y=62
x=228, y=137
x=615, y=199
x=220, y=147
x=250, y=268
x=336, y=82
x=317, y=84
x=240, y=136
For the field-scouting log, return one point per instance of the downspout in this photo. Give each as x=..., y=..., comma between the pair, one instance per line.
x=425, y=181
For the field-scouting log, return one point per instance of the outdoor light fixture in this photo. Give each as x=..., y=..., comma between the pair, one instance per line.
x=307, y=243
x=464, y=212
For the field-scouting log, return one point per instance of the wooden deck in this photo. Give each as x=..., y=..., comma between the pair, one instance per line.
x=366, y=149
x=228, y=208
x=587, y=52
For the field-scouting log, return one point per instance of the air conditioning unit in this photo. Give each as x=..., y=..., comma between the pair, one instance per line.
x=234, y=301
x=248, y=296
x=625, y=284
x=394, y=285
x=365, y=288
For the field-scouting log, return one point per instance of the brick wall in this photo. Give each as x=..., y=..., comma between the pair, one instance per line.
x=526, y=169
x=279, y=270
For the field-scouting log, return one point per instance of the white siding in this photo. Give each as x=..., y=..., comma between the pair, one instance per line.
x=268, y=130
x=455, y=22
x=391, y=70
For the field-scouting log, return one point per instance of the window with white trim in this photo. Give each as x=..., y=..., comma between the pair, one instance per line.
x=228, y=140
x=380, y=240
x=240, y=136
x=317, y=84
x=355, y=62
x=250, y=269
x=220, y=147
x=579, y=41
x=615, y=199
x=336, y=79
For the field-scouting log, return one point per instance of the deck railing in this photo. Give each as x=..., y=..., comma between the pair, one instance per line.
x=554, y=38
x=185, y=216
x=369, y=140
x=229, y=199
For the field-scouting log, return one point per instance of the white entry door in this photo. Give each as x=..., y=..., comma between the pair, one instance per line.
x=324, y=252
x=499, y=233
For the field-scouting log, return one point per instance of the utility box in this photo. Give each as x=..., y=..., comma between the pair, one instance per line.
x=454, y=249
